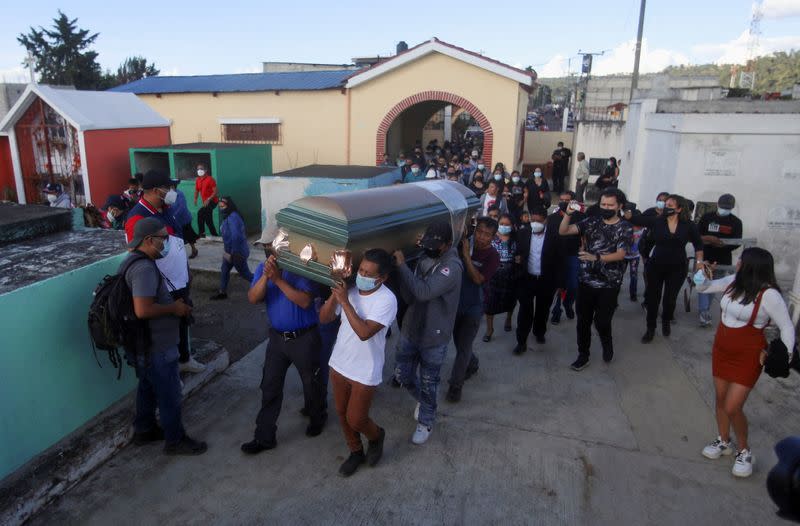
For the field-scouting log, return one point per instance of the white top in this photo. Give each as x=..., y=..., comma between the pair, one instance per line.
x=175, y=267
x=582, y=171
x=362, y=361
x=735, y=315
x=535, y=255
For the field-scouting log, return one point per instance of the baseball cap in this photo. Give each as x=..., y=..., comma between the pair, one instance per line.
x=115, y=201
x=437, y=234
x=726, y=201
x=148, y=226
x=52, y=188
x=155, y=179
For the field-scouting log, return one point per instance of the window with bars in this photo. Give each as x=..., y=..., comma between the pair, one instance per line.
x=252, y=132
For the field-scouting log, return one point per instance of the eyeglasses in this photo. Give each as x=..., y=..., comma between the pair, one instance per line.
x=160, y=237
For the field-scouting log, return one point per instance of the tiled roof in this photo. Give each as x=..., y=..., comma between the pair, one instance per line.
x=291, y=81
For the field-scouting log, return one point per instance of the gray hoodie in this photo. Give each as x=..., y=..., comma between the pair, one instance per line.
x=432, y=299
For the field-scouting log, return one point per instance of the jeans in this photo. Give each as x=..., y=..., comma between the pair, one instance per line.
x=571, y=265
x=633, y=265
x=303, y=352
x=424, y=385
x=159, y=387
x=205, y=216
x=184, y=343
x=353, y=401
x=668, y=278
x=464, y=332
x=598, y=306
x=704, y=301
x=238, y=262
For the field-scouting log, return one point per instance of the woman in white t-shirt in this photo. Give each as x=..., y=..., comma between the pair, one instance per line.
x=356, y=363
x=751, y=301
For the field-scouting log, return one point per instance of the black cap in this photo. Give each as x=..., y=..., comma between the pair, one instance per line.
x=726, y=201
x=155, y=179
x=115, y=201
x=436, y=235
x=52, y=188
x=143, y=228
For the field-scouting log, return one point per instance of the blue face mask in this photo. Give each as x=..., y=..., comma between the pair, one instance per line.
x=699, y=278
x=165, y=248
x=504, y=229
x=723, y=212
x=661, y=204
x=364, y=283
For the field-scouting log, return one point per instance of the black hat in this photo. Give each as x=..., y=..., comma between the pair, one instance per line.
x=52, y=188
x=726, y=201
x=115, y=201
x=144, y=228
x=155, y=179
x=436, y=235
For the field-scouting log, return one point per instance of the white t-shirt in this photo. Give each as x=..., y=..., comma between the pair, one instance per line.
x=355, y=359
x=175, y=266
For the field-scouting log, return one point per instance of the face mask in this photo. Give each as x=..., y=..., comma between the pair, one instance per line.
x=537, y=227
x=661, y=204
x=415, y=170
x=723, y=212
x=431, y=174
x=562, y=206
x=607, y=213
x=52, y=198
x=165, y=249
x=364, y=283
x=432, y=253
x=699, y=278
x=171, y=197
x=504, y=229
x=537, y=174
x=515, y=179
x=201, y=173
x=223, y=211
x=608, y=163
x=670, y=211
x=481, y=167
x=497, y=177
x=400, y=163
x=110, y=217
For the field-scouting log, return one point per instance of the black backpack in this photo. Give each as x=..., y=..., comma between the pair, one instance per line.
x=113, y=325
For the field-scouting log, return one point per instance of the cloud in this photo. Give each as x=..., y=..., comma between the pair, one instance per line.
x=736, y=51
x=780, y=8
x=250, y=69
x=620, y=59
x=16, y=74
x=555, y=67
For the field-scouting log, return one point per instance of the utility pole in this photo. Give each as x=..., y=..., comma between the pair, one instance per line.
x=638, y=55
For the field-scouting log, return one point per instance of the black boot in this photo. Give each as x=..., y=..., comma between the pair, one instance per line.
x=375, y=449
x=665, y=328
x=649, y=335
x=350, y=465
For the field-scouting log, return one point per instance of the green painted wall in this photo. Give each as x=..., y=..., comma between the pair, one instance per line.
x=50, y=383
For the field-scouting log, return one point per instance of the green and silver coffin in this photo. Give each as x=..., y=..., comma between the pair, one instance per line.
x=393, y=217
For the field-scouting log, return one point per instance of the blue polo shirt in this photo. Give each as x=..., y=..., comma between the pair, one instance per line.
x=284, y=315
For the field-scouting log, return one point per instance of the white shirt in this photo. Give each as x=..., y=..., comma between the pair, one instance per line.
x=487, y=202
x=175, y=266
x=582, y=171
x=735, y=315
x=362, y=361
x=535, y=255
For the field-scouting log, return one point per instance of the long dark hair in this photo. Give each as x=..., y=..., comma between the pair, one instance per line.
x=683, y=204
x=756, y=273
x=229, y=204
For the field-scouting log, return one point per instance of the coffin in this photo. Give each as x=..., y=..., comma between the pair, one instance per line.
x=392, y=217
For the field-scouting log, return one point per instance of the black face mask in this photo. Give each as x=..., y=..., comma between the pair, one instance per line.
x=432, y=253
x=562, y=206
x=670, y=212
x=607, y=213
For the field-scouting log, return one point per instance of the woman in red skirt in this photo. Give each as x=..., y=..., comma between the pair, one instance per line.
x=751, y=301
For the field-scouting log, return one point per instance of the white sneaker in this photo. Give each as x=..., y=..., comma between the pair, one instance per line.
x=192, y=366
x=421, y=434
x=743, y=465
x=717, y=448
x=416, y=412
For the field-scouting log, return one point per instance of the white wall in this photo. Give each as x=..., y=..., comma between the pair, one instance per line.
x=598, y=139
x=755, y=157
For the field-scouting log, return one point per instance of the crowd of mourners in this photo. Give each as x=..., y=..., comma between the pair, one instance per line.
x=534, y=254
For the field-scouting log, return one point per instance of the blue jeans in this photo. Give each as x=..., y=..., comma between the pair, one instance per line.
x=159, y=386
x=704, y=302
x=423, y=386
x=238, y=262
x=571, y=264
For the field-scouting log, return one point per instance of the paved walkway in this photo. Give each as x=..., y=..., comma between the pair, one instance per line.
x=532, y=442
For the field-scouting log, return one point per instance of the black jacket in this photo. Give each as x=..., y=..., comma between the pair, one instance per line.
x=551, y=253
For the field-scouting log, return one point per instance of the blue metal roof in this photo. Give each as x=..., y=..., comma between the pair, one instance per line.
x=292, y=81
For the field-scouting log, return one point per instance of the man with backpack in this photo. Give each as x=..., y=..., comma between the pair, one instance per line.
x=156, y=355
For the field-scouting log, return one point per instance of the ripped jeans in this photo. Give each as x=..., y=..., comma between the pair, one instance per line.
x=424, y=385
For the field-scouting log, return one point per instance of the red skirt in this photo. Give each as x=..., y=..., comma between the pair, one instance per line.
x=736, y=354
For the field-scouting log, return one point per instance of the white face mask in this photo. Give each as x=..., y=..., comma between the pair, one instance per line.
x=723, y=212
x=481, y=167
x=537, y=174
x=661, y=204
x=537, y=227
x=171, y=197
x=201, y=173
x=515, y=179
x=52, y=198
x=110, y=217
x=431, y=174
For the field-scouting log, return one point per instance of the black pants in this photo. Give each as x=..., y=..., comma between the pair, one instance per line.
x=598, y=306
x=558, y=180
x=666, y=281
x=535, y=298
x=184, y=349
x=205, y=216
x=464, y=332
x=304, y=353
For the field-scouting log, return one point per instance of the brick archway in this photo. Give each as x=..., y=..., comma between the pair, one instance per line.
x=483, y=122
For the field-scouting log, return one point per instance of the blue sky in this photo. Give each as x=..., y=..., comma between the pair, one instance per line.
x=234, y=37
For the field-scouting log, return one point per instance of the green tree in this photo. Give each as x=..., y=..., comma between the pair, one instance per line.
x=62, y=53
x=135, y=68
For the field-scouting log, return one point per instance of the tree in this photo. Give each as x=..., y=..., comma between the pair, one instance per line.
x=135, y=68
x=62, y=55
